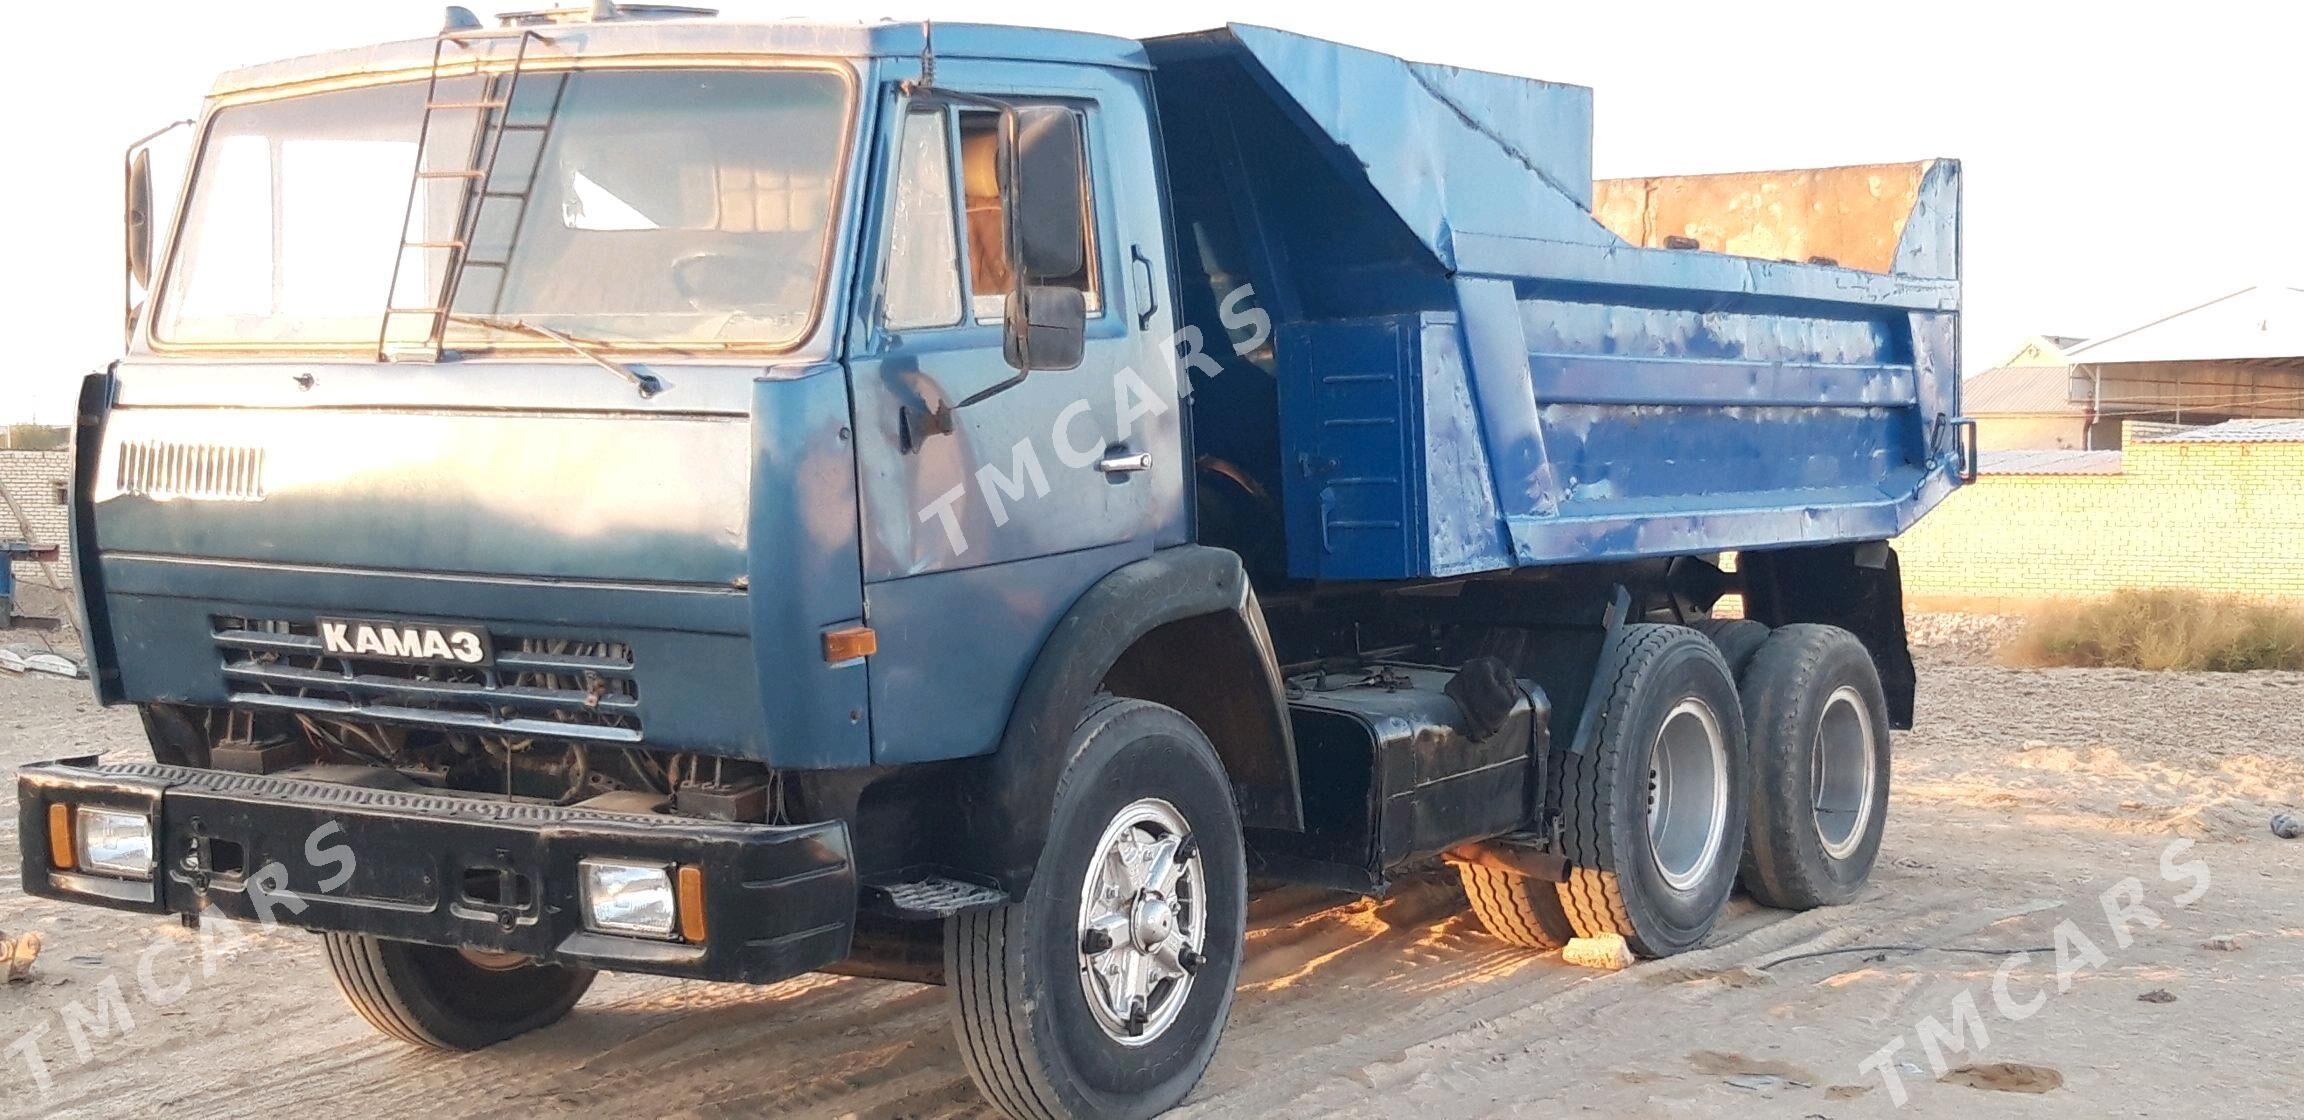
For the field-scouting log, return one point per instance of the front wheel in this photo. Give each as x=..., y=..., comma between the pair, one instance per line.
x=449, y=999
x=1103, y=992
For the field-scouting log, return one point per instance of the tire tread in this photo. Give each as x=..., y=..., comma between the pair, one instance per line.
x=1739, y=640
x=1595, y=904
x=357, y=964
x=994, y=1043
x=389, y=990
x=1772, y=871
x=1514, y=908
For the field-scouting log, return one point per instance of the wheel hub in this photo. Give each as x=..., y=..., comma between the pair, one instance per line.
x=495, y=962
x=1153, y=921
x=1842, y=775
x=1687, y=794
x=1142, y=922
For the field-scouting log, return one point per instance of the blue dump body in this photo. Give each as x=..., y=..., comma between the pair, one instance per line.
x=1473, y=372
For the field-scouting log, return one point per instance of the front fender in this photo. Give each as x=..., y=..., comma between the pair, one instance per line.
x=1012, y=796
x=90, y=614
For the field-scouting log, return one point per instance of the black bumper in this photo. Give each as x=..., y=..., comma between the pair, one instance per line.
x=779, y=900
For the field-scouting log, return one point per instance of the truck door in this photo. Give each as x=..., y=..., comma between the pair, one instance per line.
x=983, y=521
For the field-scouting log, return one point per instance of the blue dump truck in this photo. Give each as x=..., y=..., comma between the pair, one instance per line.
x=621, y=490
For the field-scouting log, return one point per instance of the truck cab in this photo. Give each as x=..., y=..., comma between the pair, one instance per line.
x=640, y=492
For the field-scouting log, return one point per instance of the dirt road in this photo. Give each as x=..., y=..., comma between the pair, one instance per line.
x=2024, y=797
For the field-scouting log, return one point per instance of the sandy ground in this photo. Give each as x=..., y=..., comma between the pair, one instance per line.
x=2022, y=799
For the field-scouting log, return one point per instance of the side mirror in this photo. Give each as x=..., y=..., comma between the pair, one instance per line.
x=1045, y=195
x=1047, y=328
x=138, y=218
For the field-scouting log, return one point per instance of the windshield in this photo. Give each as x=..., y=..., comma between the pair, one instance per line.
x=648, y=207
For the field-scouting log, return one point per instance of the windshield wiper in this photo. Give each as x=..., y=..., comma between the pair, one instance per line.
x=585, y=348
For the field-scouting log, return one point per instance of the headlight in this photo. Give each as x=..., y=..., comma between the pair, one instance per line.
x=630, y=898
x=113, y=842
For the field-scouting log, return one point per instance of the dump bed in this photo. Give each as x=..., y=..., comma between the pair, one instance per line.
x=1484, y=359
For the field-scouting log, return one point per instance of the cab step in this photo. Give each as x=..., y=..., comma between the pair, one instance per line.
x=930, y=897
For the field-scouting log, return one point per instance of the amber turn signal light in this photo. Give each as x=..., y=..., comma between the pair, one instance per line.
x=690, y=884
x=62, y=853
x=849, y=643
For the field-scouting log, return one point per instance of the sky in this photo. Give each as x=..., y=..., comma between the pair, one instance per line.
x=2122, y=161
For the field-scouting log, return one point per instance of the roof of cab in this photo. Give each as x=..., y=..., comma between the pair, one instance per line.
x=708, y=37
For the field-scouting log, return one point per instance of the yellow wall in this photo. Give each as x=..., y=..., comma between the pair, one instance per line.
x=2026, y=432
x=2220, y=517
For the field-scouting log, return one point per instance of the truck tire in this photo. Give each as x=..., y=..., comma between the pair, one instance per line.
x=1738, y=639
x=1818, y=723
x=449, y=999
x=175, y=739
x=1652, y=815
x=1102, y=993
x=1518, y=909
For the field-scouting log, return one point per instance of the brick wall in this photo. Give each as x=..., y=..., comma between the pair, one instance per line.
x=2016, y=430
x=2217, y=517
x=31, y=478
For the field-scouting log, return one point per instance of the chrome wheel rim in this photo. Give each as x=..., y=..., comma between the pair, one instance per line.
x=1841, y=773
x=1687, y=794
x=1143, y=922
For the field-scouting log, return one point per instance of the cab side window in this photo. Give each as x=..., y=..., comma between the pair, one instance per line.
x=990, y=274
x=922, y=281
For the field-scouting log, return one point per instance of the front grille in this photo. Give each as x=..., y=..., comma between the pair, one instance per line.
x=197, y=471
x=556, y=688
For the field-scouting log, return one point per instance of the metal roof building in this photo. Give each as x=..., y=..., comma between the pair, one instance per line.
x=2020, y=390
x=2239, y=356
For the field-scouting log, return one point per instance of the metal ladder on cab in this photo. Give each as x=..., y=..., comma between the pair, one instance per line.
x=476, y=174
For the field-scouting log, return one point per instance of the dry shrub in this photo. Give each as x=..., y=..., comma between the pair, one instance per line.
x=2164, y=629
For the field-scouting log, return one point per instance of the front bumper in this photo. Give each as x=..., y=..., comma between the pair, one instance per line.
x=445, y=869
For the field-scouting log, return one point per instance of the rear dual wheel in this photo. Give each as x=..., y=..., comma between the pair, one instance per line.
x=1652, y=813
x=1517, y=909
x=1652, y=817
x=1818, y=720
x=1738, y=639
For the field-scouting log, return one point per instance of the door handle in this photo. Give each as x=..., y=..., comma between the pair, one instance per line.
x=1151, y=288
x=1125, y=464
